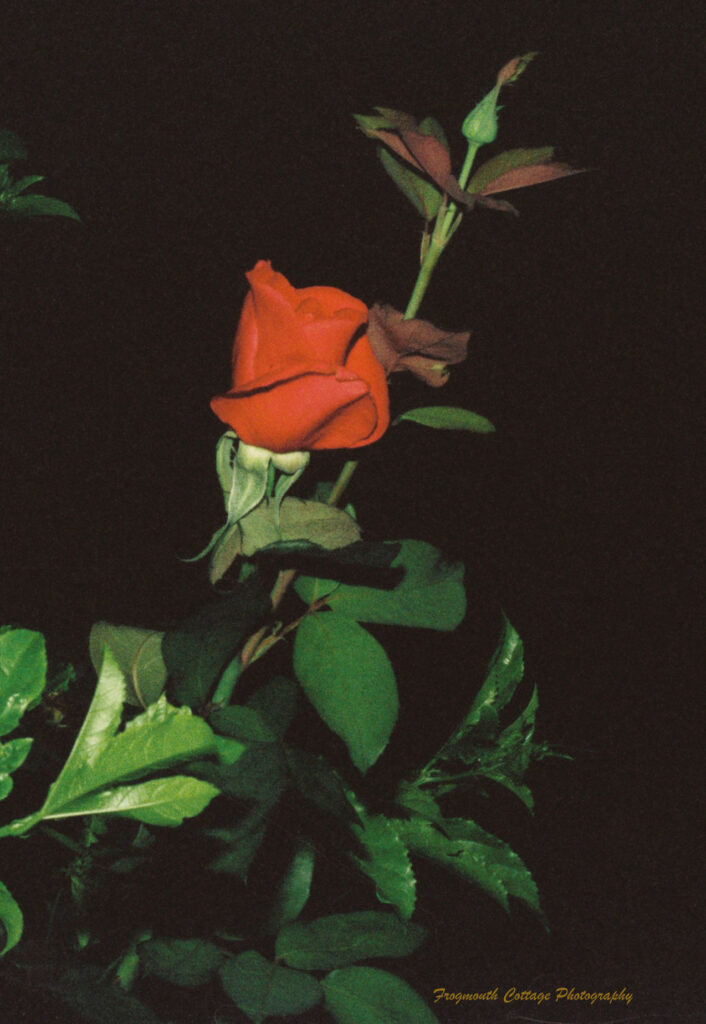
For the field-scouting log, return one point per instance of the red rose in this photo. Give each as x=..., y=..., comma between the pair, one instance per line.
x=304, y=374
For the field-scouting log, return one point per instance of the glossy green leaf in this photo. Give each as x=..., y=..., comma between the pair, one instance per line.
x=40, y=206
x=386, y=860
x=12, y=756
x=138, y=653
x=164, y=801
x=348, y=678
x=23, y=671
x=159, y=738
x=262, y=989
x=445, y=417
x=469, y=851
x=507, y=161
x=505, y=672
x=366, y=995
x=342, y=939
x=293, y=891
x=10, y=919
x=197, y=652
x=186, y=962
x=430, y=595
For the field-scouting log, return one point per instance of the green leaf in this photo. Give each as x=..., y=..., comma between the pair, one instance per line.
x=197, y=652
x=11, y=147
x=507, y=161
x=41, y=206
x=159, y=738
x=466, y=849
x=386, y=861
x=11, y=919
x=23, y=670
x=12, y=756
x=444, y=417
x=430, y=595
x=138, y=653
x=156, y=802
x=343, y=939
x=348, y=678
x=504, y=673
x=261, y=989
x=259, y=774
x=186, y=962
x=366, y=995
x=293, y=891
x=424, y=196
x=23, y=183
x=266, y=717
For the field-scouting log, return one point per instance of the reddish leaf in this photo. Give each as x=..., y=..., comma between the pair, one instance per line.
x=507, y=161
x=521, y=177
x=414, y=345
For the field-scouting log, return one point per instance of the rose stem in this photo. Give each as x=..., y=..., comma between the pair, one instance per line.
x=447, y=220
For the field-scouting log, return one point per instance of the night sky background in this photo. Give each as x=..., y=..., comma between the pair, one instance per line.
x=196, y=138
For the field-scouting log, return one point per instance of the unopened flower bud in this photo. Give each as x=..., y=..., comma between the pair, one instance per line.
x=481, y=125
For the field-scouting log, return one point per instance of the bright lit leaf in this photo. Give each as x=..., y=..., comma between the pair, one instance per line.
x=10, y=918
x=343, y=939
x=347, y=676
x=366, y=995
x=156, y=802
x=23, y=670
x=12, y=756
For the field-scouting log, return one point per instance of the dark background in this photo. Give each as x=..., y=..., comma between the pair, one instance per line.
x=195, y=139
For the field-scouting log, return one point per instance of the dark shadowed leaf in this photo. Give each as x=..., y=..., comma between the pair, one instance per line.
x=197, y=651
x=98, y=1000
x=264, y=719
x=187, y=962
x=293, y=891
x=262, y=989
x=11, y=147
x=343, y=939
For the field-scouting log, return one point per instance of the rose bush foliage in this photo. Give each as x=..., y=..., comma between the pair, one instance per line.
x=304, y=374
